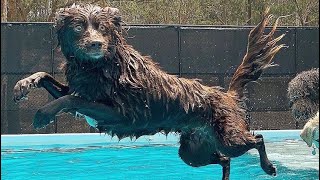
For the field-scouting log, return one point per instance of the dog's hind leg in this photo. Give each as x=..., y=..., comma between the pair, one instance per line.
x=38, y=80
x=225, y=163
x=266, y=165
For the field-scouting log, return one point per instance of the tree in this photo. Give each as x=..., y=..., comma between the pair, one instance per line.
x=208, y=12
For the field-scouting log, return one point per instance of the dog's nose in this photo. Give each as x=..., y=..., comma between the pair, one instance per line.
x=96, y=44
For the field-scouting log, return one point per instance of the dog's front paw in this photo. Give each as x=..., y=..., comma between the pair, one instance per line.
x=42, y=119
x=22, y=87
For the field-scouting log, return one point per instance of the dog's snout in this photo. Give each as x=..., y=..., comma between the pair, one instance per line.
x=95, y=44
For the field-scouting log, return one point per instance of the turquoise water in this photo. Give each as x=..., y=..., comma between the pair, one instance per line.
x=94, y=156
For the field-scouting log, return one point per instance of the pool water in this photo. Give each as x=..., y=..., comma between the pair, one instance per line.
x=95, y=156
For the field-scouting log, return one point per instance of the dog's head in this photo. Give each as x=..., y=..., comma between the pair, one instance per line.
x=88, y=33
x=303, y=109
x=303, y=94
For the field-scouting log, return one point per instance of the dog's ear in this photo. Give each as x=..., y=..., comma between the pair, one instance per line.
x=114, y=15
x=63, y=16
x=60, y=17
x=59, y=22
x=65, y=12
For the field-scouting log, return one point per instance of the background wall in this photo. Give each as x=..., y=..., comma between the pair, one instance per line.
x=210, y=53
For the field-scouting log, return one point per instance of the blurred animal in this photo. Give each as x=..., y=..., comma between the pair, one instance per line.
x=303, y=94
x=123, y=93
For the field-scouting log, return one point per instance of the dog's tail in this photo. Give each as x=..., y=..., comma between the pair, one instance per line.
x=260, y=52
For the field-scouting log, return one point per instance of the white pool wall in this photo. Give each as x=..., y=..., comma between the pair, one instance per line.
x=90, y=138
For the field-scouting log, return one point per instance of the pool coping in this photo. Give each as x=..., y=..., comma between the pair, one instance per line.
x=77, y=134
x=93, y=138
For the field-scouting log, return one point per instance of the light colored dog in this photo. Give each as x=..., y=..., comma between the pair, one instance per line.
x=303, y=94
x=310, y=131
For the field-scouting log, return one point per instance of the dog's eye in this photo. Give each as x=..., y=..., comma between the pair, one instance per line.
x=102, y=27
x=78, y=28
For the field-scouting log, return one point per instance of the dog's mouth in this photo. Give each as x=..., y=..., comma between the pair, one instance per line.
x=90, y=54
x=96, y=54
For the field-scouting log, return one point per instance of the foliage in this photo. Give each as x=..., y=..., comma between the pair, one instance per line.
x=200, y=12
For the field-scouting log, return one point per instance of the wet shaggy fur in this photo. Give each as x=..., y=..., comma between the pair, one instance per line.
x=129, y=95
x=303, y=94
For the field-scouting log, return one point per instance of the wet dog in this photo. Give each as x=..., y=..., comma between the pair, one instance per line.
x=310, y=131
x=123, y=93
x=303, y=94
